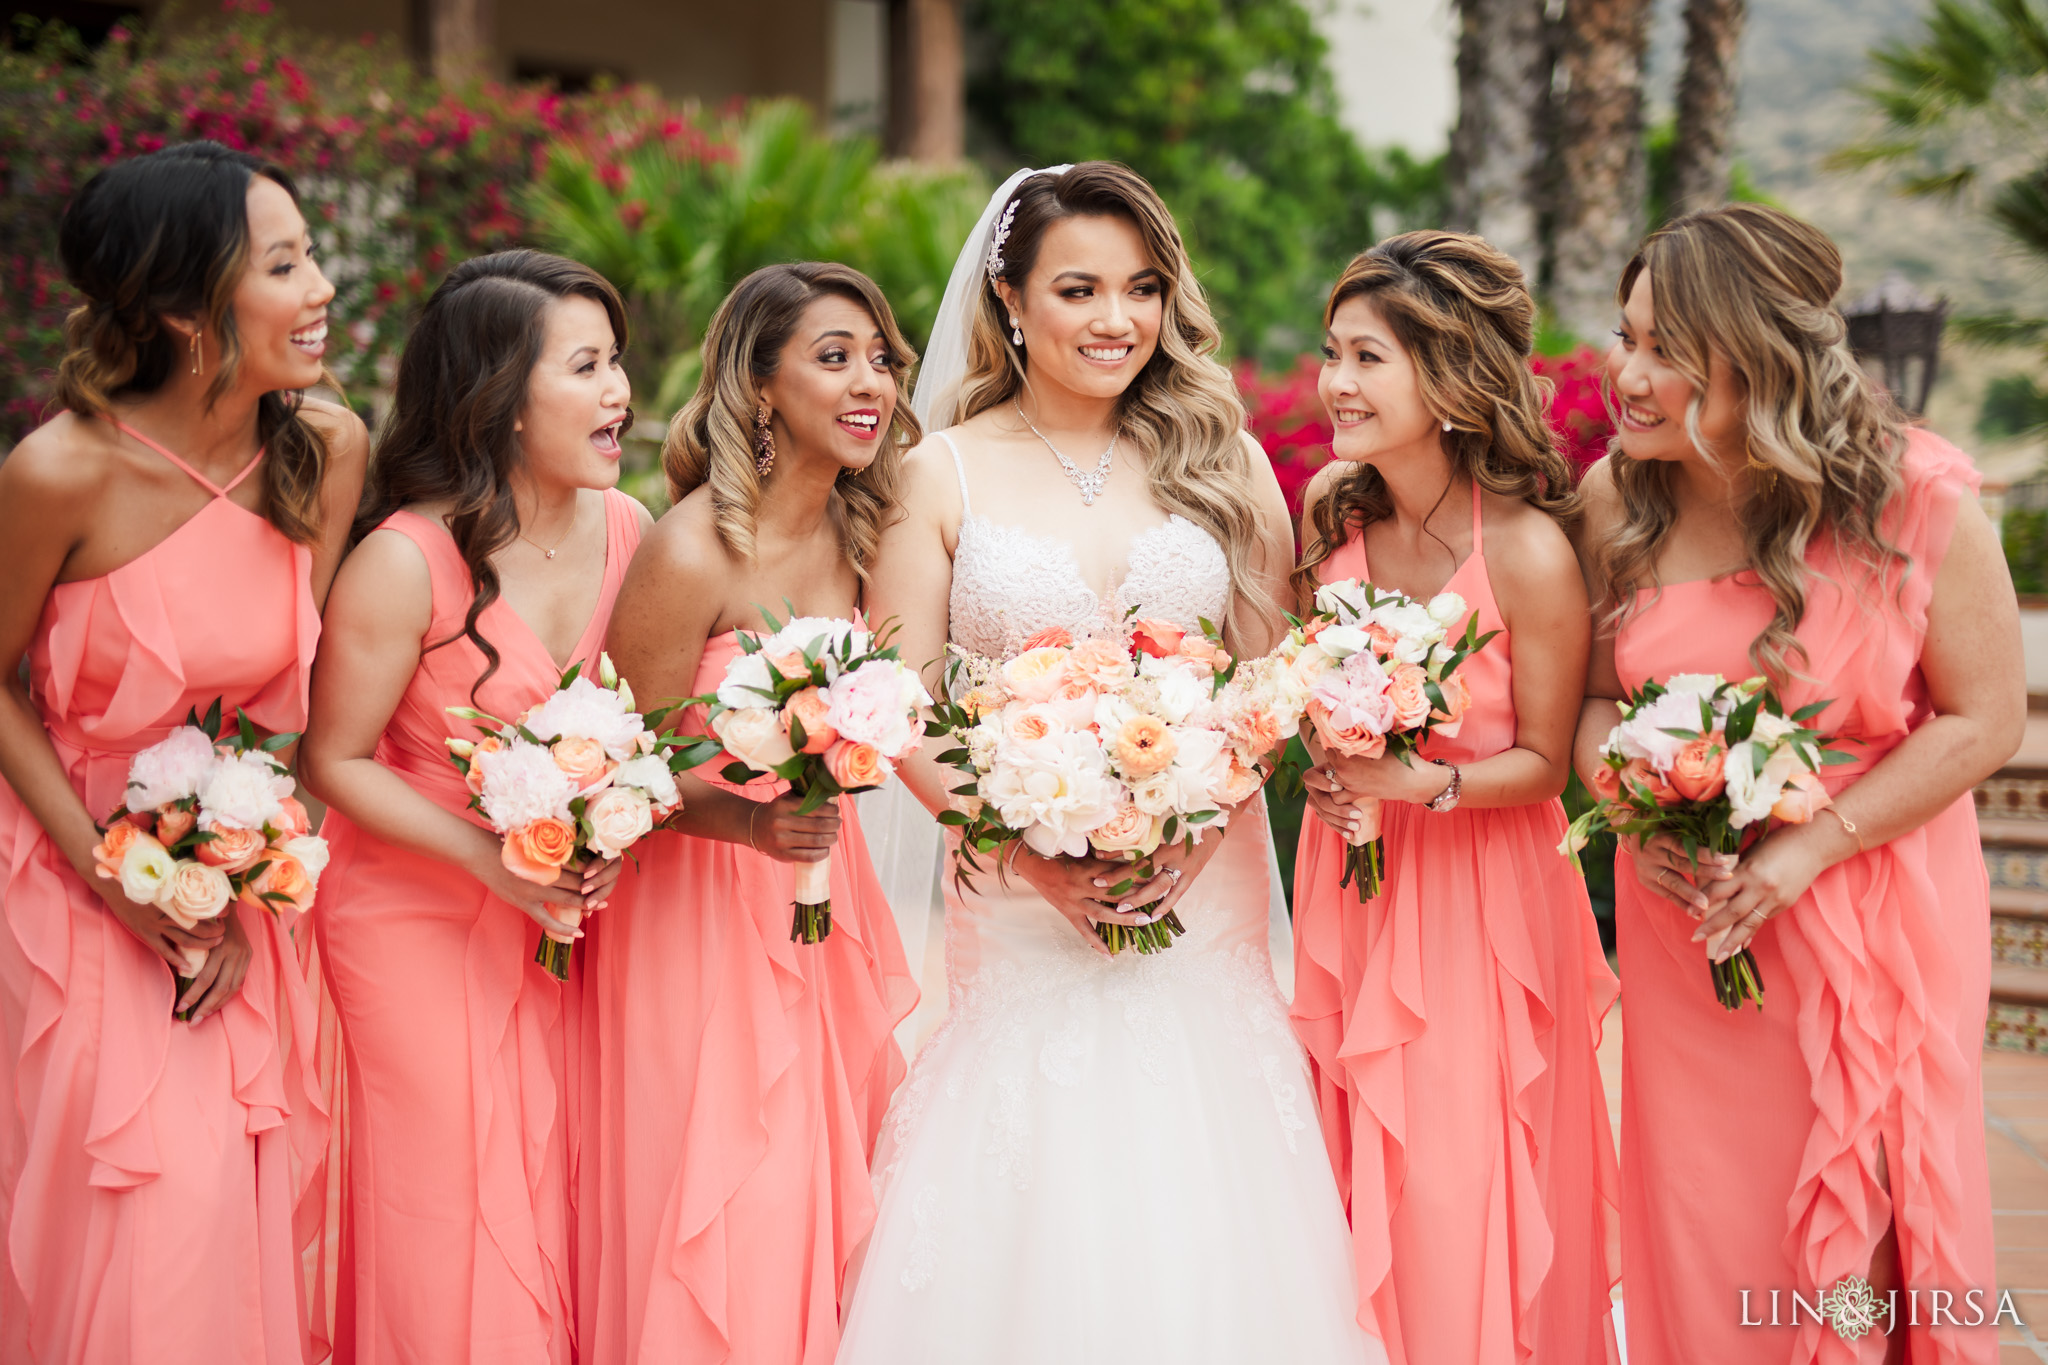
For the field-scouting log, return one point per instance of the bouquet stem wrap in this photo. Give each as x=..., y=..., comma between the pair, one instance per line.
x=1365, y=853
x=813, y=902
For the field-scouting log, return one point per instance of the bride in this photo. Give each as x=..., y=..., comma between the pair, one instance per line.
x=1095, y=1158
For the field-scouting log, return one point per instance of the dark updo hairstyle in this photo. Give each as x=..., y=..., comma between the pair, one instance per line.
x=167, y=234
x=1460, y=307
x=462, y=382
x=711, y=440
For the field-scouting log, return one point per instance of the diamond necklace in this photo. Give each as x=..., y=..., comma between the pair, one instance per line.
x=1090, y=483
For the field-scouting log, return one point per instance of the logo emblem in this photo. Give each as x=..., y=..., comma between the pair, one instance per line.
x=1852, y=1308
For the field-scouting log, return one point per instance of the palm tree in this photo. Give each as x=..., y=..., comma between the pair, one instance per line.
x=1706, y=103
x=1496, y=161
x=1600, y=157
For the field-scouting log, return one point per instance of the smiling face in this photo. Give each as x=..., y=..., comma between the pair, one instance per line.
x=280, y=306
x=1092, y=307
x=1370, y=389
x=833, y=393
x=1652, y=394
x=576, y=398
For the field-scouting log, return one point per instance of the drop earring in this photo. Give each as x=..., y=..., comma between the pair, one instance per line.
x=196, y=368
x=1016, y=333
x=1447, y=424
x=764, y=442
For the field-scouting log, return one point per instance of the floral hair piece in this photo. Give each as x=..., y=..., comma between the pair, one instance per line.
x=1001, y=235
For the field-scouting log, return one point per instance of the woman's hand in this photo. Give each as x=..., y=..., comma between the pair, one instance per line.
x=227, y=964
x=1774, y=872
x=597, y=879
x=160, y=933
x=538, y=903
x=775, y=828
x=1389, y=779
x=1077, y=888
x=1664, y=870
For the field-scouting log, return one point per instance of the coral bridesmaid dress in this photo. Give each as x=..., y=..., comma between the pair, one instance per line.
x=1451, y=1023
x=743, y=1082
x=158, y=1180
x=1750, y=1139
x=457, y=1218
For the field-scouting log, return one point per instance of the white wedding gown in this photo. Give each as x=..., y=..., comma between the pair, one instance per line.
x=1093, y=1159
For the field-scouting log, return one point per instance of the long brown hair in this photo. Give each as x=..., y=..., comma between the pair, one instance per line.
x=1756, y=285
x=1462, y=311
x=711, y=439
x=462, y=381
x=167, y=234
x=1182, y=414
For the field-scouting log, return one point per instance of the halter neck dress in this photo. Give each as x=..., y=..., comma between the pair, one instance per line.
x=158, y=1180
x=1452, y=1021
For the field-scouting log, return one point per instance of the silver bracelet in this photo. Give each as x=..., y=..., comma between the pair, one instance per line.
x=1448, y=797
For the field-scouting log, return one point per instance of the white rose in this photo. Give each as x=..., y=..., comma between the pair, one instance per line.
x=1693, y=684
x=194, y=892
x=1344, y=599
x=172, y=769
x=753, y=735
x=1180, y=693
x=1155, y=795
x=311, y=852
x=747, y=686
x=1752, y=792
x=618, y=816
x=1341, y=642
x=650, y=773
x=145, y=870
x=244, y=792
x=1447, y=609
x=1770, y=729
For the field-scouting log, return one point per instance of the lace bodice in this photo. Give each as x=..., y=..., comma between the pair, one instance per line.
x=1009, y=584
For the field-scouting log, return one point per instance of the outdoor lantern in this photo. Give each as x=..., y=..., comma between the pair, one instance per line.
x=1897, y=324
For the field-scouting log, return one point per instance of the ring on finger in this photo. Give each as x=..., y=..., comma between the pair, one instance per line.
x=1174, y=873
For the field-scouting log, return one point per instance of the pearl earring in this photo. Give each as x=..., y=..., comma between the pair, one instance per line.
x=1016, y=333
x=1447, y=424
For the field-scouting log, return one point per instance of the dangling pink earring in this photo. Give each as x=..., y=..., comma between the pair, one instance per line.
x=764, y=442
x=196, y=368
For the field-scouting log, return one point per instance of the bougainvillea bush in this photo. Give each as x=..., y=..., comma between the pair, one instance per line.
x=401, y=177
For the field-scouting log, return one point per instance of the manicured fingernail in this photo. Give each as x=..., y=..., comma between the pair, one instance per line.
x=1124, y=909
x=1102, y=881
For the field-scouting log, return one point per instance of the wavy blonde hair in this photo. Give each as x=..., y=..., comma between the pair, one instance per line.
x=1755, y=285
x=1462, y=311
x=712, y=439
x=1182, y=414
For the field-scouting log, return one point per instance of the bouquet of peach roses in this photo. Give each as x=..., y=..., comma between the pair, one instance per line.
x=1107, y=748
x=1377, y=673
x=827, y=706
x=1710, y=762
x=580, y=770
x=209, y=822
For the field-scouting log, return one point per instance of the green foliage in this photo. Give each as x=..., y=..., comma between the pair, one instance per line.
x=676, y=232
x=1660, y=143
x=2025, y=534
x=1227, y=107
x=2014, y=404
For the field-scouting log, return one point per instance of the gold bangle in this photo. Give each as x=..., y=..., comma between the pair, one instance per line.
x=750, y=825
x=1848, y=825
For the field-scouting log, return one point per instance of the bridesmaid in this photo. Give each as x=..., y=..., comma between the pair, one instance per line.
x=745, y=1076
x=166, y=540
x=491, y=545
x=1483, y=1210
x=1766, y=512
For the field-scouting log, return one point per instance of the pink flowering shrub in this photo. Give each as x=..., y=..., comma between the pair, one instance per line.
x=401, y=177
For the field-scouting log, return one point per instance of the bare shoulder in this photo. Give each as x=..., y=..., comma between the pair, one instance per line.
x=387, y=561
x=1526, y=543
x=682, y=552
x=1599, y=501
x=931, y=480
x=642, y=518
x=63, y=462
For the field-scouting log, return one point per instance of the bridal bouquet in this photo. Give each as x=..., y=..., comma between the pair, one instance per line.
x=581, y=770
x=1107, y=748
x=827, y=706
x=208, y=822
x=1708, y=761
x=1377, y=673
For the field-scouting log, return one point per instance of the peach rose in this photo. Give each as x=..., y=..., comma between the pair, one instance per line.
x=581, y=760
x=790, y=663
x=1457, y=701
x=1144, y=746
x=1803, y=797
x=174, y=823
x=1160, y=639
x=294, y=823
x=1029, y=724
x=1696, y=772
x=1101, y=662
x=1241, y=783
x=1073, y=701
x=1380, y=638
x=474, y=778
x=537, y=850
x=1639, y=775
x=284, y=876
x=1128, y=830
x=194, y=892
x=1255, y=730
x=980, y=701
x=810, y=709
x=1052, y=637
x=113, y=847
x=233, y=850
x=1314, y=626
x=855, y=765
x=1606, y=783
x=1033, y=674
x=1353, y=742
x=1411, y=702
x=1204, y=651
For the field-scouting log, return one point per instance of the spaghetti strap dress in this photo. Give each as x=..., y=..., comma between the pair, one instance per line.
x=158, y=1180
x=460, y=1049
x=1750, y=1139
x=1451, y=1022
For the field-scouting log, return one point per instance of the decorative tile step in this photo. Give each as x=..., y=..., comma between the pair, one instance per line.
x=2016, y=869
x=2019, y=942
x=2013, y=903
x=2015, y=985
x=2012, y=833
x=2014, y=794
x=2016, y=1028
